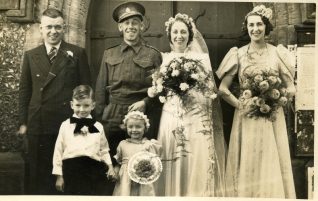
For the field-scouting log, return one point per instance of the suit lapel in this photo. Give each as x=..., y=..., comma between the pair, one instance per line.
x=42, y=60
x=58, y=64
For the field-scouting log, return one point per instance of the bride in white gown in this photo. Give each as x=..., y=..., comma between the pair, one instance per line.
x=195, y=168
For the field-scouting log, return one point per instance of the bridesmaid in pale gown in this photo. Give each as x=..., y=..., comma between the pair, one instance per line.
x=200, y=171
x=258, y=163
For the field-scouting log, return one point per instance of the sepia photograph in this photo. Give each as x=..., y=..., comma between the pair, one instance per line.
x=116, y=99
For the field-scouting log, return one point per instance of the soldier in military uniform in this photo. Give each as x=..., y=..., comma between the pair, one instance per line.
x=125, y=75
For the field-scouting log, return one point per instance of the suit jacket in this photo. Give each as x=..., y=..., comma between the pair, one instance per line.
x=46, y=90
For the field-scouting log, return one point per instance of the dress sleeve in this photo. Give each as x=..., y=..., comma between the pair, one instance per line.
x=154, y=146
x=286, y=62
x=119, y=156
x=229, y=65
x=206, y=62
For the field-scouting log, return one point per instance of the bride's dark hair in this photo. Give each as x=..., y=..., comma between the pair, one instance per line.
x=186, y=21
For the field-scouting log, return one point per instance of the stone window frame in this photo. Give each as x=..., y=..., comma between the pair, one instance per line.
x=24, y=13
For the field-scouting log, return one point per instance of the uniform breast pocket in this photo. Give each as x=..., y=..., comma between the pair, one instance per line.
x=145, y=69
x=114, y=70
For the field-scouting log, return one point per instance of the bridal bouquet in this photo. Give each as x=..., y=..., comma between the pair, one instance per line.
x=144, y=167
x=265, y=93
x=185, y=80
x=179, y=76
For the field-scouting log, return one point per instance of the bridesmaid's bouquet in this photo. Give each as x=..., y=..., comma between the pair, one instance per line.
x=144, y=167
x=264, y=93
x=178, y=77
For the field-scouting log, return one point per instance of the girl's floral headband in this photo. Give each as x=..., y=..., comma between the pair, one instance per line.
x=137, y=115
x=183, y=17
x=262, y=11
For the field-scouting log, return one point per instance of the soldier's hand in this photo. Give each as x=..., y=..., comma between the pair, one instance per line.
x=140, y=106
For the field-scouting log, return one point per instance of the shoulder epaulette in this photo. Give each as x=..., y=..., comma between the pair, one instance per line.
x=112, y=47
x=152, y=47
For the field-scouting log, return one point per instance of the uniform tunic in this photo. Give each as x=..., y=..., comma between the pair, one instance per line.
x=124, y=78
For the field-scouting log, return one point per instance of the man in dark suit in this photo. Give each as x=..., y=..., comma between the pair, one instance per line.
x=49, y=74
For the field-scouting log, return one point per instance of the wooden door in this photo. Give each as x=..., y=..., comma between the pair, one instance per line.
x=103, y=30
x=219, y=22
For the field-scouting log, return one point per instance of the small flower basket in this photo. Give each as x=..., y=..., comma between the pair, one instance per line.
x=144, y=167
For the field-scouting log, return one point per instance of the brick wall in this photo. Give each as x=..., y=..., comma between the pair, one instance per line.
x=285, y=16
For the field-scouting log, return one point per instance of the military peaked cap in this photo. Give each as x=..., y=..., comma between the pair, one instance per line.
x=128, y=9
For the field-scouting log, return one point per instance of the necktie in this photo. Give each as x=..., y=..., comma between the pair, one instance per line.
x=52, y=54
x=80, y=123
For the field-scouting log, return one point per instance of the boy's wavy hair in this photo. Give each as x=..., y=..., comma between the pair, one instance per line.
x=83, y=91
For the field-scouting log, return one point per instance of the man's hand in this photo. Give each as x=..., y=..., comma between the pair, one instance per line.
x=22, y=130
x=59, y=185
x=140, y=106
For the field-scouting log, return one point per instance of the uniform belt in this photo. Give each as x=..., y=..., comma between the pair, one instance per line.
x=123, y=100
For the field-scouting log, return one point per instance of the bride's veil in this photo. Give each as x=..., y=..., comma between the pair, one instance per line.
x=198, y=45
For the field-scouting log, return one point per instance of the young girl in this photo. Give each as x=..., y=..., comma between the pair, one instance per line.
x=136, y=124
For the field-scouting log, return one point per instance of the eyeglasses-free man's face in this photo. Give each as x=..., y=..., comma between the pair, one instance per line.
x=131, y=29
x=52, y=29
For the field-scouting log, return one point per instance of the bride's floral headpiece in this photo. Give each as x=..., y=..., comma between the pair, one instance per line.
x=262, y=11
x=137, y=115
x=184, y=17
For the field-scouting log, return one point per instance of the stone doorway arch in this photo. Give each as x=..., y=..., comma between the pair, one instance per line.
x=75, y=14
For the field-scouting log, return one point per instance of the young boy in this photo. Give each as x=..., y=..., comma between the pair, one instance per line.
x=81, y=149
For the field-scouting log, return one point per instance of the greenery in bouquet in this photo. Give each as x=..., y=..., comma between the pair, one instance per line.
x=262, y=93
x=178, y=77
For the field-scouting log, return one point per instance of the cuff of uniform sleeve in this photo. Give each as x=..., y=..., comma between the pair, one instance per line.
x=23, y=120
x=147, y=99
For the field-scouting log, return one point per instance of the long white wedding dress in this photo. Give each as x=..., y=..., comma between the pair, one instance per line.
x=195, y=165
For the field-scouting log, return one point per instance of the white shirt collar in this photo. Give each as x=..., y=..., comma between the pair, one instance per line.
x=49, y=47
x=89, y=116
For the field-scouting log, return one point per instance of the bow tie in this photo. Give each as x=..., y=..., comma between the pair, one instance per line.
x=80, y=123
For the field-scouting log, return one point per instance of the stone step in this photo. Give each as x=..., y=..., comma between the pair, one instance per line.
x=11, y=174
